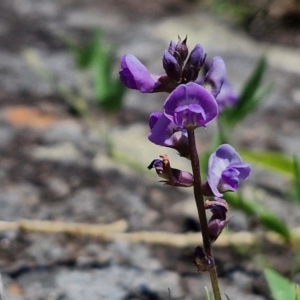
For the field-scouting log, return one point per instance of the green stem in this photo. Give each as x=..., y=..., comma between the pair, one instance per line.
x=201, y=210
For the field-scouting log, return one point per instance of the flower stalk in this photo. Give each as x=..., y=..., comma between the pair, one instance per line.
x=192, y=103
x=201, y=210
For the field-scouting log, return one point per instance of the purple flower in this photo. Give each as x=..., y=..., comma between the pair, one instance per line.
x=165, y=133
x=170, y=175
x=227, y=96
x=135, y=75
x=226, y=170
x=190, y=106
x=215, y=76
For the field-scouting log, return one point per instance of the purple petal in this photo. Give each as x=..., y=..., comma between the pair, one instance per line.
x=199, y=104
x=157, y=164
x=153, y=118
x=228, y=154
x=215, y=76
x=230, y=180
x=191, y=115
x=165, y=133
x=135, y=75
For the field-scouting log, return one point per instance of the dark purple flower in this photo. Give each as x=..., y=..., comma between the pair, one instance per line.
x=171, y=176
x=165, y=133
x=190, y=106
x=227, y=96
x=135, y=75
x=217, y=221
x=226, y=170
x=181, y=51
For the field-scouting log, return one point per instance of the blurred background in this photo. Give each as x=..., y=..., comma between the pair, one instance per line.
x=74, y=149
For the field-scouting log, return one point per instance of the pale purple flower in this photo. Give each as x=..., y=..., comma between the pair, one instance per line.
x=190, y=106
x=227, y=96
x=215, y=76
x=226, y=170
x=165, y=133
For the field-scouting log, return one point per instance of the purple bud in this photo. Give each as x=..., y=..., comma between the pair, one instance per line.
x=181, y=51
x=217, y=222
x=171, y=47
x=216, y=75
x=215, y=228
x=194, y=64
x=171, y=66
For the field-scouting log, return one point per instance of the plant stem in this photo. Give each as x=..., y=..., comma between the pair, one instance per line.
x=201, y=210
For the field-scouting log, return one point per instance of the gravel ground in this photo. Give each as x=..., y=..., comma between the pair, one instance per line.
x=55, y=167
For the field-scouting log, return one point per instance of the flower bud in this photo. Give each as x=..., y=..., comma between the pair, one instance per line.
x=171, y=66
x=181, y=51
x=194, y=64
x=217, y=222
x=203, y=261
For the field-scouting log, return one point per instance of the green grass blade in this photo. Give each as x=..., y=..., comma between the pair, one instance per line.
x=266, y=218
x=250, y=97
x=273, y=161
x=296, y=183
x=280, y=287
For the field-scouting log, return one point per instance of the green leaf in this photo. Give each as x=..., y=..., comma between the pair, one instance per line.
x=109, y=91
x=297, y=292
x=273, y=161
x=250, y=96
x=84, y=56
x=252, y=208
x=280, y=287
x=272, y=222
x=296, y=183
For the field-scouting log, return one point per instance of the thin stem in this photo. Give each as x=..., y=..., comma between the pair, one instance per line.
x=201, y=210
